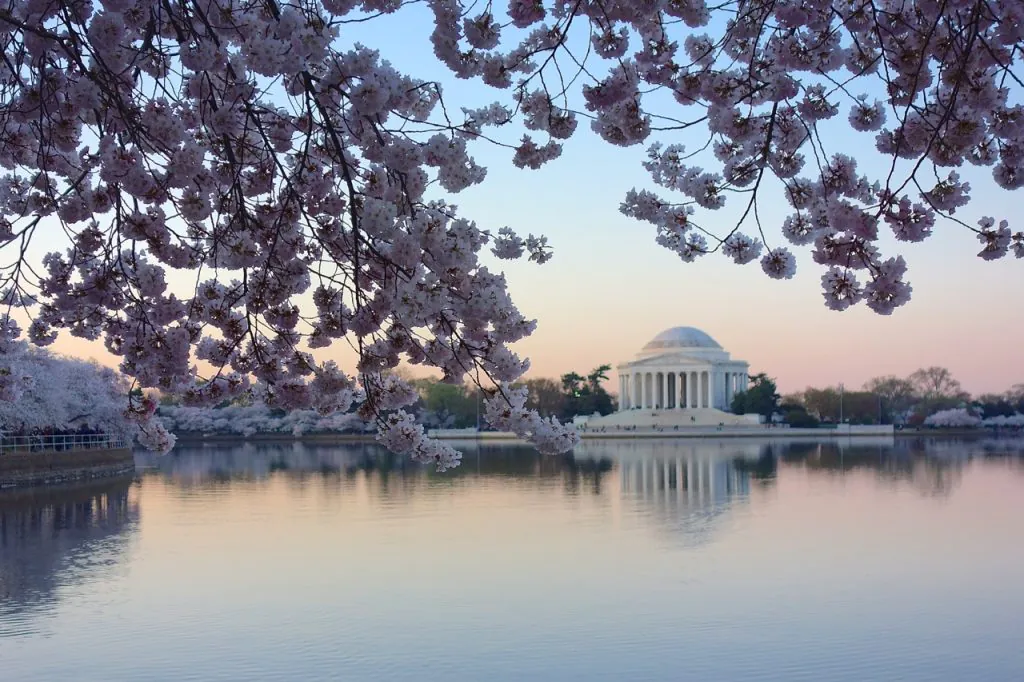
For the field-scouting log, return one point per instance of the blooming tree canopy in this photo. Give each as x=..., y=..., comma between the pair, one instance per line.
x=957, y=417
x=1011, y=421
x=301, y=182
x=250, y=420
x=40, y=391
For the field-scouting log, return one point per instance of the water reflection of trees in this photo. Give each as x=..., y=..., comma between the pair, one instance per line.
x=55, y=537
x=344, y=464
x=963, y=447
x=713, y=473
x=892, y=464
x=931, y=465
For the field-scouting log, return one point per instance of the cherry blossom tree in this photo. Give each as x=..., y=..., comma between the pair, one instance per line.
x=40, y=391
x=1012, y=421
x=250, y=420
x=957, y=417
x=301, y=184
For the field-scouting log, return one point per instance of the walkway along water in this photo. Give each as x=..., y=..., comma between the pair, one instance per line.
x=27, y=461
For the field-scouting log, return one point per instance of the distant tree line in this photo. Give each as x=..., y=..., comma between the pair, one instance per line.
x=883, y=400
x=897, y=400
x=440, y=405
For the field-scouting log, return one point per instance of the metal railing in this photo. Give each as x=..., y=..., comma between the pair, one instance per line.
x=10, y=445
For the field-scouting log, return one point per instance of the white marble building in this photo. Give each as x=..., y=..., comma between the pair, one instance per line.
x=681, y=368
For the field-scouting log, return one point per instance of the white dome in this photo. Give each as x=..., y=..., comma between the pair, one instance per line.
x=680, y=337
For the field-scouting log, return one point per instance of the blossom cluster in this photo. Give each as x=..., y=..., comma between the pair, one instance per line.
x=506, y=410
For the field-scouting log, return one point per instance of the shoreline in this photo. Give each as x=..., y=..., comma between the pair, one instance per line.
x=52, y=468
x=499, y=436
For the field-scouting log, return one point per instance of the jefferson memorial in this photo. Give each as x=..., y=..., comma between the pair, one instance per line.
x=682, y=377
x=681, y=367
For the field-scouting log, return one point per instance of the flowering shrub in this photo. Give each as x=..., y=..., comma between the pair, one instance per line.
x=303, y=182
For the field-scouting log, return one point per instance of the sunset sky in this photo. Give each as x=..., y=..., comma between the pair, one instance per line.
x=610, y=288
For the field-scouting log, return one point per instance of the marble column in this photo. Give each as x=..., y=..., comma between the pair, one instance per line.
x=663, y=390
x=680, y=390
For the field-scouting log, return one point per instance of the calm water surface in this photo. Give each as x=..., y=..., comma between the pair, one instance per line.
x=676, y=560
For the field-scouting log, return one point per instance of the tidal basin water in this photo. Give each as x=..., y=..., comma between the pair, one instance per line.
x=671, y=560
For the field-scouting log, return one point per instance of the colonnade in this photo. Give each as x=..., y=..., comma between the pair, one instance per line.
x=678, y=390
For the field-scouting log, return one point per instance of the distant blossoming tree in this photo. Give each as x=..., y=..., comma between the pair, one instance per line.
x=41, y=392
x=250, y=420
x=1011, y=421
x=301, y=182
x=958, y=417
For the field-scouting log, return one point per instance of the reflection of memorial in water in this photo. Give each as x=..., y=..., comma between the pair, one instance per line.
x=690, y=479
x=686, y=487
x=689, y=494
x=51, y=538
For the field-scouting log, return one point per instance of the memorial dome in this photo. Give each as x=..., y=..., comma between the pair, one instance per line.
x=680, y=337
